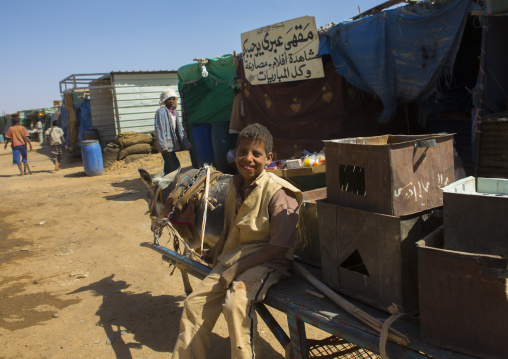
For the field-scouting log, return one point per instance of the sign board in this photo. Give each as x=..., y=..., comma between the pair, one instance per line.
x=282, y=52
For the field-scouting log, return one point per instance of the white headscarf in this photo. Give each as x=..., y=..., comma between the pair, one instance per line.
x=168, y=94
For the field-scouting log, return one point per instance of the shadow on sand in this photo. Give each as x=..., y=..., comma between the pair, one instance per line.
x=152, y=320
x=134, y=189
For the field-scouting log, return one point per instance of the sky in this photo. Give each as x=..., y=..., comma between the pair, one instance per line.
x=43, y=42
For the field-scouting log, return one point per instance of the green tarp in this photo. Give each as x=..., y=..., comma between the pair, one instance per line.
x=206, y=100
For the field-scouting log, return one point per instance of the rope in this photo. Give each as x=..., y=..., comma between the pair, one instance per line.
x=177, y=235
x=396, y=314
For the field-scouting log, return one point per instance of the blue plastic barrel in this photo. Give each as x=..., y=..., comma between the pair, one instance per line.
x=2, y=138
x=92, y=157
x=202, y=143
x=222, y=142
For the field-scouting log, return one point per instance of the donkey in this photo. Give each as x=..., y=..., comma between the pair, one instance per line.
x=215, y=217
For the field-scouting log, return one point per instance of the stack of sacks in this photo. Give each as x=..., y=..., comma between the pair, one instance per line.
x=110, y=154
x=155, y=147
x=128, y=146
x=134, y=144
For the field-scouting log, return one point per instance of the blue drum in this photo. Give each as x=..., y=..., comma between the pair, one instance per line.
x=92, y=157
x=202, y=143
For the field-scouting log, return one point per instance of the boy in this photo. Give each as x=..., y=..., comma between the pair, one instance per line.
x=253, y=253
x=18, y=135
x=56, y=140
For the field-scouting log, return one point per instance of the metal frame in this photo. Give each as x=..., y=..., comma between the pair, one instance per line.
x=115, y=106
x=73, y=82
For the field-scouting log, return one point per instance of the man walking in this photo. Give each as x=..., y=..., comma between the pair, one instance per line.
x=56, y=140
x=18, y=135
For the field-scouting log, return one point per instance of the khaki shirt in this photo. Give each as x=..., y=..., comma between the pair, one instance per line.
x=274, y=224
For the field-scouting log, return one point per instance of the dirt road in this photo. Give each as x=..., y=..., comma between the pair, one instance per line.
x=74, y=282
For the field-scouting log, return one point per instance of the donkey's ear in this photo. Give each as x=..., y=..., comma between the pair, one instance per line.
x=145, y=177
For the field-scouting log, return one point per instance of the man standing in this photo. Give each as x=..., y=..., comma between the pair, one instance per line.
x=169, y=131
x=56, y=140
x=18, y=135
x=40, y=130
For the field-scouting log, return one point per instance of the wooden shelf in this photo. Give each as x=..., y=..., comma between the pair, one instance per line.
x=303, y=171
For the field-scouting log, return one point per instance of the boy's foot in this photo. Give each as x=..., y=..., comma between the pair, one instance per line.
x=57, y=167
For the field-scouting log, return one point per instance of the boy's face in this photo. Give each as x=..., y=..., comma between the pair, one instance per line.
x=251, y=158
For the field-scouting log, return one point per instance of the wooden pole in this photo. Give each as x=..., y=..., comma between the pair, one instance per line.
x=356, y=312
x=205, y=200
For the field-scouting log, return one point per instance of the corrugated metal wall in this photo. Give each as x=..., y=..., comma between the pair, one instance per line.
x=137, y=99
x=125, y=102
x=101, y=108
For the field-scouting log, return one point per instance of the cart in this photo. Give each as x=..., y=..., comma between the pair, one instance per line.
x=290, y=297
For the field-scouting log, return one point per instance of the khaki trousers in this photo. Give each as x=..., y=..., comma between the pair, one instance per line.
x=203, y=307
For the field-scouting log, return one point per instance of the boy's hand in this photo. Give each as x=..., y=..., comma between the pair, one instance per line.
x=207, y=256
x=228, y=276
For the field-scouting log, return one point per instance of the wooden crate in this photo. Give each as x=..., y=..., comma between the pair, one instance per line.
x=305, y=178
x=372, y=257
x=394, y=175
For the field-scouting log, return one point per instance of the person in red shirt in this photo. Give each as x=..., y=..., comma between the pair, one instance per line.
x=18, y=135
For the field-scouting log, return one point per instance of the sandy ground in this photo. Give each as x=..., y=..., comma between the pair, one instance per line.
x=74, y=282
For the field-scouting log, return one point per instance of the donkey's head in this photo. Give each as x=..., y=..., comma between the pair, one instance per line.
x=159, y=186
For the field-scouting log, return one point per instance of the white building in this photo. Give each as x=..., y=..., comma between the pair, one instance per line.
x=127, y=101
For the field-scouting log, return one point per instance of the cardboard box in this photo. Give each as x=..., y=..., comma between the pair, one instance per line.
x=292, y=164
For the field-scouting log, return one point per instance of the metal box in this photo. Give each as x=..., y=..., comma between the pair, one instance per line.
x=463, y=299
x=307, y=247
x=395, y=175
x=372, y=257
x=475, y=216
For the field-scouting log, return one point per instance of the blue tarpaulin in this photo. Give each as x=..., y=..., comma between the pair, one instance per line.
x=400, y=54
x=85, y=122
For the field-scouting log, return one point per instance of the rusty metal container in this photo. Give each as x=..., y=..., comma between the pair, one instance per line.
x=372, y=257
x=463, y=299
x=390, y=174
x=307, y=247
x=475, y=216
